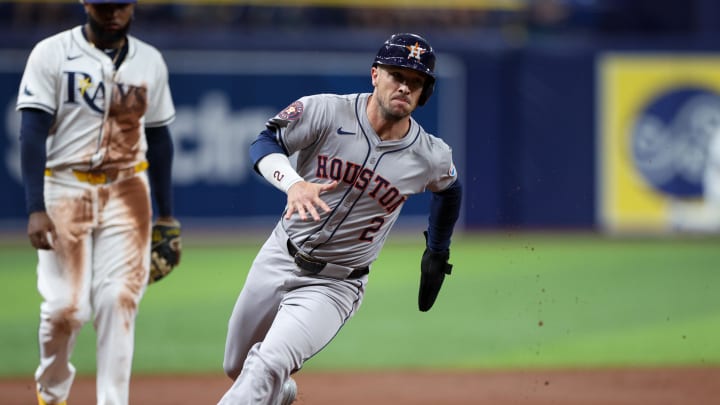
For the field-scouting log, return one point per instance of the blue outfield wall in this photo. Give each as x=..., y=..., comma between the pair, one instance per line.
x=549, y=171
x=522, y=122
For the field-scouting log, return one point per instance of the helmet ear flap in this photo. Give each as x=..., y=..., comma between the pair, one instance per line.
x=427, y=91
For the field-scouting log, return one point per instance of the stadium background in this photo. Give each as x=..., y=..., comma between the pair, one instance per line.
x=544, y=102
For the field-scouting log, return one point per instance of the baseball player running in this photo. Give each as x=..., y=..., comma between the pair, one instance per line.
x=359, y=157
x=95, y=105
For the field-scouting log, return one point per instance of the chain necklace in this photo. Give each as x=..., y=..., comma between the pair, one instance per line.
x=117, y=52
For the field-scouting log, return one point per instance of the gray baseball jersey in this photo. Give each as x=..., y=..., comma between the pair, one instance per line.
x=334, y=141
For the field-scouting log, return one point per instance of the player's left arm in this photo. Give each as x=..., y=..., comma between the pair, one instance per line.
x=444, y=212
x=166, y=246
x=160, y=113
x=160, y=155
x=160, y=152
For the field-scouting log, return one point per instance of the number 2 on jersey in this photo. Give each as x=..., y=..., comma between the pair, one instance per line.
x=375, y=225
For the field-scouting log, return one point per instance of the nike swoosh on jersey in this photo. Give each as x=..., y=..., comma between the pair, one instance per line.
x=341, y=132
x=27, y=91
x=73, y=57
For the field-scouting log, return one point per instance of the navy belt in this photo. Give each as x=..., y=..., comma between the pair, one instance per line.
x=315, y=266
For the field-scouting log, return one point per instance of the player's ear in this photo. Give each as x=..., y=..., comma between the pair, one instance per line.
x=374, y=72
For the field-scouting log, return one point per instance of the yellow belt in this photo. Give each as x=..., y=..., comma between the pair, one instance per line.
x=105, y=176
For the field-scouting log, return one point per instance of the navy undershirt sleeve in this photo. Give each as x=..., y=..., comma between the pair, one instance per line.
x=265, y=144
x=444, y=212
x=34, y=128
x=160, y=155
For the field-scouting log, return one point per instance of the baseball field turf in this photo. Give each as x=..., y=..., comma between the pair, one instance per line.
x=514, y=300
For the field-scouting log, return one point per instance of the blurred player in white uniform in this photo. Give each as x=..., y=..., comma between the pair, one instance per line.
x=95, y=105
x=359, y=157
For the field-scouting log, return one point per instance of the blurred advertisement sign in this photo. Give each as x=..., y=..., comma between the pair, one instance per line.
x=656, y=114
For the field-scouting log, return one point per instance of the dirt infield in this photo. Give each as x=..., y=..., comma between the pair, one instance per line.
x=697, y=386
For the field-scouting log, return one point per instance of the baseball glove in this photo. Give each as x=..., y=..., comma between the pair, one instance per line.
x=165, y=250
x=433, y=268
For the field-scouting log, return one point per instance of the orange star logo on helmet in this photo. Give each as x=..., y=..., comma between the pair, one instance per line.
x=415, y=50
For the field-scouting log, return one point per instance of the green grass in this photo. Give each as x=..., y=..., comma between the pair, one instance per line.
x=513, y=300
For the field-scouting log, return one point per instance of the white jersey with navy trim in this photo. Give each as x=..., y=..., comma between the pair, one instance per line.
x=375, y=177
x=75, y=82
x=98, y=211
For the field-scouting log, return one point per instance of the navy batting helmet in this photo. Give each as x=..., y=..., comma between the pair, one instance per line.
x=410, y=51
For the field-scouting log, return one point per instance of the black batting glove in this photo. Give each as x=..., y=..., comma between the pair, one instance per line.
x=433, y=268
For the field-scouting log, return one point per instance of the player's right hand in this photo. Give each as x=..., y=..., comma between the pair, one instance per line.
x=304, y=198
x=41, y=230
